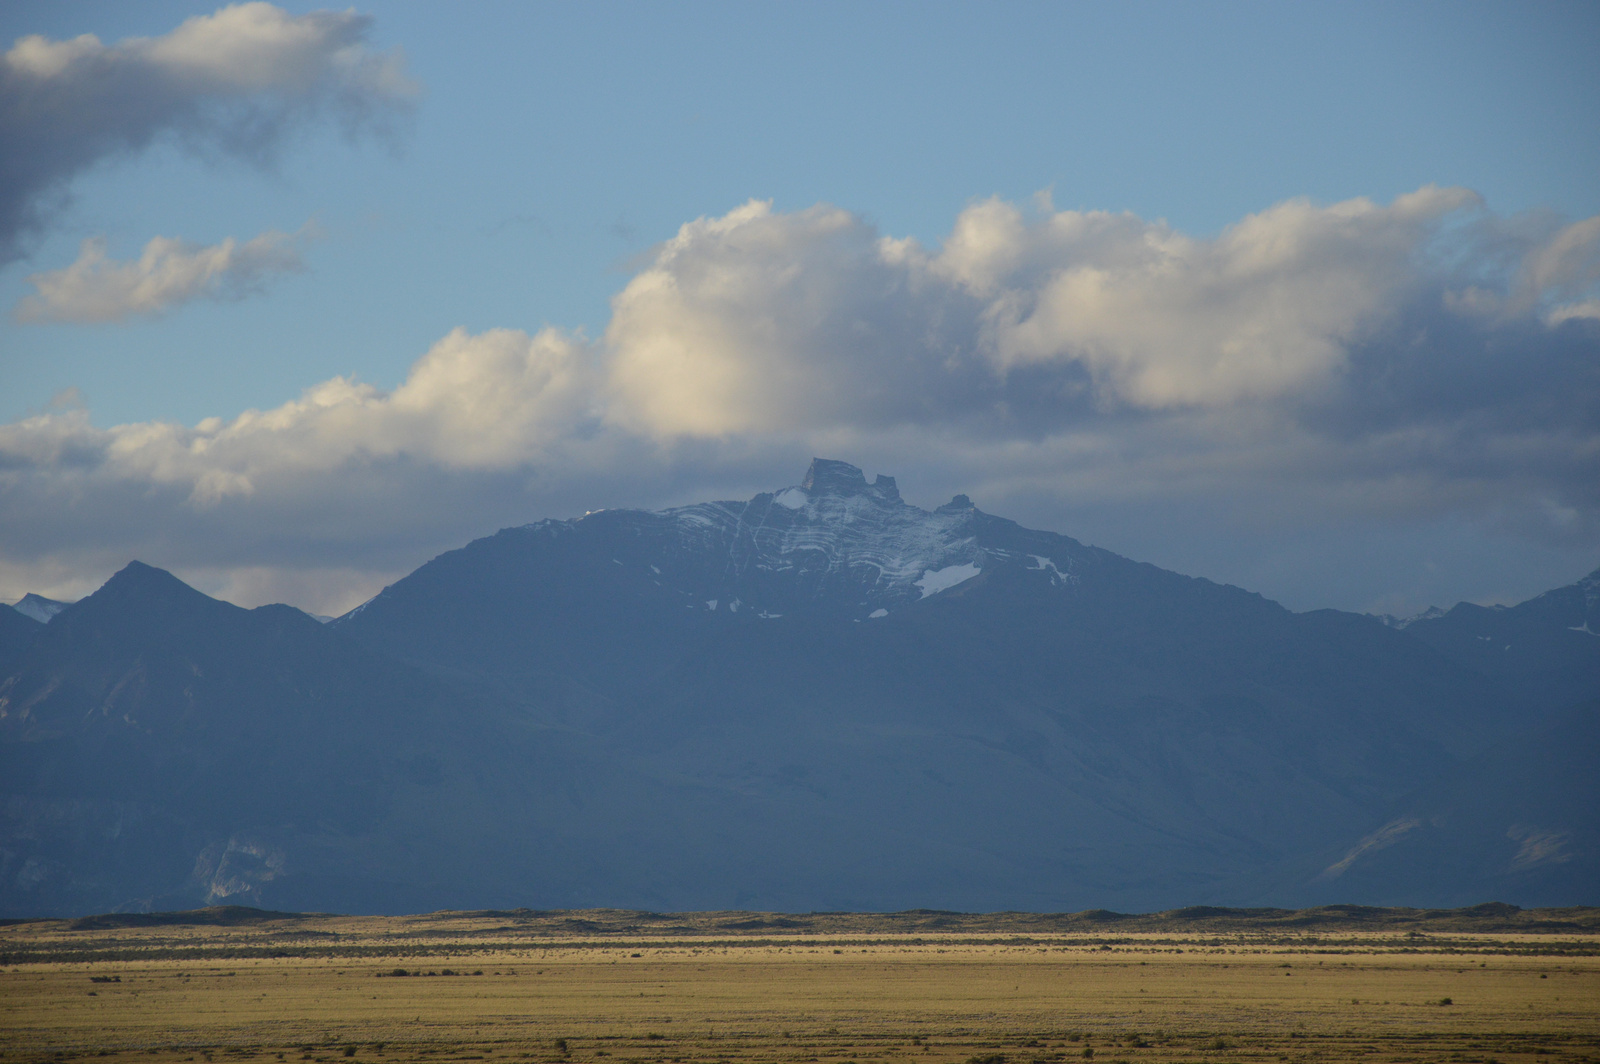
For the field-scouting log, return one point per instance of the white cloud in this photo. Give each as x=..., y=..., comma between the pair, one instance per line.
x=759, y=321
x=1565, y=265
x=762, y=319
x=169, y=273
x=1589, y=308
x=1269, y=308
x=232, y=82
x=1354, y=365
x=490, y=402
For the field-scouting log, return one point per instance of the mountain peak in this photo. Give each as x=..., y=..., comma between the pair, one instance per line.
x=38, y=607
x=138, y=574
x=828, y=476
x=145, y=587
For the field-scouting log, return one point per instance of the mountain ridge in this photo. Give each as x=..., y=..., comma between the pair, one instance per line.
x=821, y=698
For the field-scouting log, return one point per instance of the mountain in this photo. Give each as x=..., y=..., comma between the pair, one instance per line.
x=1004, y=713
x=157, y=745
x=818, y=698
x=38, y=607
x=1547, y=648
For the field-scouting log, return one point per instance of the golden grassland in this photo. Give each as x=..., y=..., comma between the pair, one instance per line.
x=831, y=989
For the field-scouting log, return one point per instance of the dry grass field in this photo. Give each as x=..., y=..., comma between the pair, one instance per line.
x=618, y=988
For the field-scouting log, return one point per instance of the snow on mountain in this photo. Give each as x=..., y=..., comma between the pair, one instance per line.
x=831, y=539
x=934, y=581
x=1391, y=621
x=38, y=607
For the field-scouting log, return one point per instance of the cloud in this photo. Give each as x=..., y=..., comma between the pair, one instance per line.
x=812, y=317
x=490, y=402
x=169, y=273
x=1350, y=366
x=1411, y=359
x=232, y=83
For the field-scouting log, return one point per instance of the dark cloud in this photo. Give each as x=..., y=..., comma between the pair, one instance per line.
x=231, y=83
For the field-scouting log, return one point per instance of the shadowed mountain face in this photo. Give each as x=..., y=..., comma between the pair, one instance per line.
x=1547, y=648
x=1517, y=820
x=821, y=698
x=156, y=743
x=17, y=633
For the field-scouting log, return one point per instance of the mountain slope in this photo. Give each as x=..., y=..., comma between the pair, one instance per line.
x=1516, y=821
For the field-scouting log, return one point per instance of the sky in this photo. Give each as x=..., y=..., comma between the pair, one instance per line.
x=1303, y=298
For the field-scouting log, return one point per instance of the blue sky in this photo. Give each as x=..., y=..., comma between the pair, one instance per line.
x=541, y=154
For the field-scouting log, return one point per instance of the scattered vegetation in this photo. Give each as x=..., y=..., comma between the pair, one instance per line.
x=505, y=988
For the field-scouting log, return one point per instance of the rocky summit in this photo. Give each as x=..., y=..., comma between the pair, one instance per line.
x=820, y=698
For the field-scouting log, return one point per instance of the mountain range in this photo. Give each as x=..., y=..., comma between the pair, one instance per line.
x=820, y=698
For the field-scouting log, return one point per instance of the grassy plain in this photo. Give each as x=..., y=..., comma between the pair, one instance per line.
x=620, y=988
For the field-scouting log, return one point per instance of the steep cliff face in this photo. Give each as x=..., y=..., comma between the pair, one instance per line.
x=819, y=698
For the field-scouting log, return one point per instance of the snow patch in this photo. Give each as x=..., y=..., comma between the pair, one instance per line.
x=861, y=538
x=1584, y=627
x=38, y=607
x=1044, y=564
x=934, y=581
x=711, y=604
x=875, y=614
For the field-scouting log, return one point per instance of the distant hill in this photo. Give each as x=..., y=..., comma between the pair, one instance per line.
x=515, y=929
x=820, y=698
